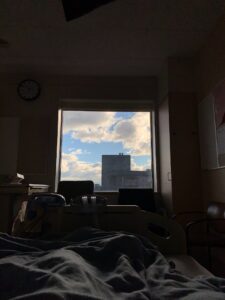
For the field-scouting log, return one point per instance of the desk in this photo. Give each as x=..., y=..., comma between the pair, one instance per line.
x=11, y=195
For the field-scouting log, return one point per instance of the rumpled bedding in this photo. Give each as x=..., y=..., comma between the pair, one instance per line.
x=94, y=264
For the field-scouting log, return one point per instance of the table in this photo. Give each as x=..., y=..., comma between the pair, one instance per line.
x=11, y=196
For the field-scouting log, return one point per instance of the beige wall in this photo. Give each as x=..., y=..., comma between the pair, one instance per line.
x=211, y=70
x=178, y=136
x=185, y=158
x=165, y=155
x=38, y=119
x=184, y=82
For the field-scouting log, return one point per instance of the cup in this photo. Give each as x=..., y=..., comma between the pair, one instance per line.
x=84, y=200
x=93, y=200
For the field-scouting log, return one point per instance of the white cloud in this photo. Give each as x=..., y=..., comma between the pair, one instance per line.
x=140, y=167
x=134, y=133
x=86, y=120
x=74, y=169
x=89, y=127
x=78, y=151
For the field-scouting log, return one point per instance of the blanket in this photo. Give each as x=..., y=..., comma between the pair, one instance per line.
x=94, y=264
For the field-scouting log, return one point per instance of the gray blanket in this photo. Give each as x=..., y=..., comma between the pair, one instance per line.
x=93, y=264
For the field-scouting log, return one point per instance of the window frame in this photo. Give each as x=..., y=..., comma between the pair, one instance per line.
x=114, y=105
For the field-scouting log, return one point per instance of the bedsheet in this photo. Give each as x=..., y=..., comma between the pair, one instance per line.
x=94, y=264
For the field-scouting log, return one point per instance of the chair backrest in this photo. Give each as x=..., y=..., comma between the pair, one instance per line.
x=144, y=198
x=73, y=189
x=216, y=210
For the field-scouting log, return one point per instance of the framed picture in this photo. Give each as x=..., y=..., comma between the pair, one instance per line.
x=212, y=128
x=219, y=110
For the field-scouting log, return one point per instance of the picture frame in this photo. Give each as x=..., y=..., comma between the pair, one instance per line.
x=212, y=128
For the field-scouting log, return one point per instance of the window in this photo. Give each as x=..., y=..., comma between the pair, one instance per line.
x=113, y=149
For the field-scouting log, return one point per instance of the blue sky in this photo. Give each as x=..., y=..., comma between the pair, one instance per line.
x=88, y=135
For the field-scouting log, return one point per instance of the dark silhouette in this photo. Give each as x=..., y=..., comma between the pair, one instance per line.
x=75, y=8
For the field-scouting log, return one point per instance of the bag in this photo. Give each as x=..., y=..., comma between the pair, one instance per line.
x=31, y=217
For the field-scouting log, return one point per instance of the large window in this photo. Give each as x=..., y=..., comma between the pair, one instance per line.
x=113, y=149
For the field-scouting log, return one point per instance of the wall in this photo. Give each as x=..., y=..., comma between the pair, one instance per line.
x=8, y=149
x=39, y=119
x=165, y=155
x=211, y=70
x=178, y=136
x=183, y=83
x=185, y=157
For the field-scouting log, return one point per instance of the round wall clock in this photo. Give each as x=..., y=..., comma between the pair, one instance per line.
x=29, y=89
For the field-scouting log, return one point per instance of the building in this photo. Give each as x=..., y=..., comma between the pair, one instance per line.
x=117, y=173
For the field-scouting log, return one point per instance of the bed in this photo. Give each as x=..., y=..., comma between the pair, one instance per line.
x=106, y=263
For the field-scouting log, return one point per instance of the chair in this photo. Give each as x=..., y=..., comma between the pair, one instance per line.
x=144, y=198
x=73, y=189
x=214, y=229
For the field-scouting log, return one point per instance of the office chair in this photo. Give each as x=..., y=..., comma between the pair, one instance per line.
x=73, y=189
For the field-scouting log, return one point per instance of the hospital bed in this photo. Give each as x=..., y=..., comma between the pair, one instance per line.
x=166, y=234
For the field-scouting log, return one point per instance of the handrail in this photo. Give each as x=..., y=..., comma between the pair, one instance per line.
x=191, y=224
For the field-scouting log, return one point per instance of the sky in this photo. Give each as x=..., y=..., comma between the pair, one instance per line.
x=87, y=135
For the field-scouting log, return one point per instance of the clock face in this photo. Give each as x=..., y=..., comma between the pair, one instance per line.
x=29, y=89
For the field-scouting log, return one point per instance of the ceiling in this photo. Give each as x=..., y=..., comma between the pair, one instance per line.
x=123, y=38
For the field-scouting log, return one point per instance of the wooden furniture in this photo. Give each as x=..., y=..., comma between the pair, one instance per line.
x=11, y=196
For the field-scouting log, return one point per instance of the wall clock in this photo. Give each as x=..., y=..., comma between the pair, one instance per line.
x=29, y=89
